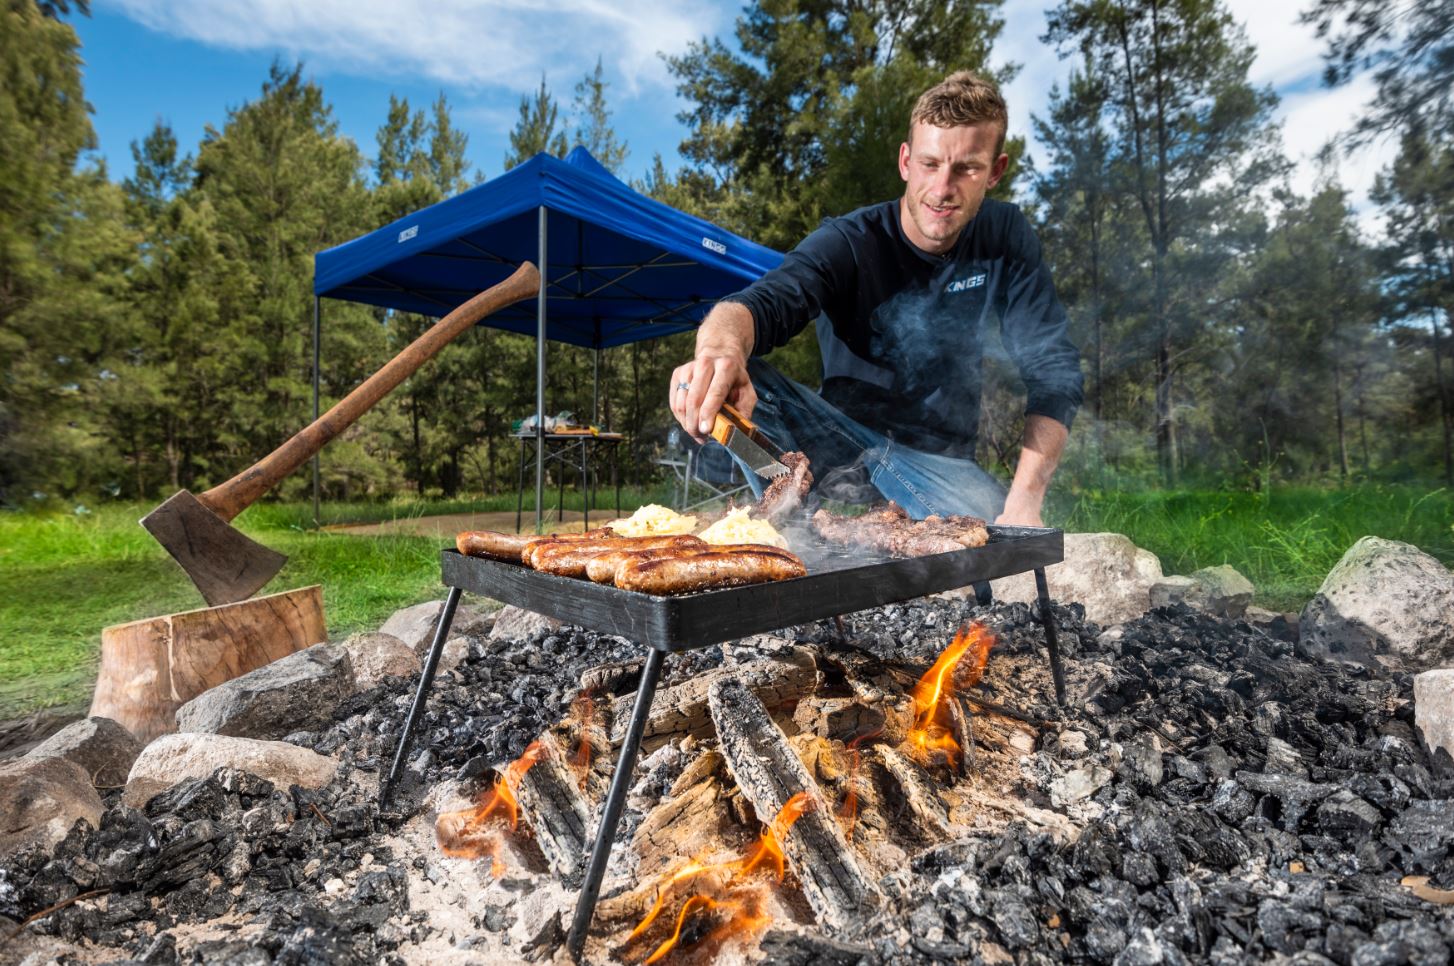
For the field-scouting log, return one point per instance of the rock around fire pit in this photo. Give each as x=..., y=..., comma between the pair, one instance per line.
x=1208, y=795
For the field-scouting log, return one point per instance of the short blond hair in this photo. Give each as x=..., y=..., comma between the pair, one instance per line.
x=961, y=99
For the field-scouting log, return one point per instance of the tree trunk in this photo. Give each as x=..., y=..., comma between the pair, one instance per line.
x=418, y=453
x=1446, y=417
x=1165, y=442
x=1338, y=414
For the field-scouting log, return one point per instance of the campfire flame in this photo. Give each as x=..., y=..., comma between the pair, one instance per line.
x=930, y=738
x=740, y=903
x=470, y=834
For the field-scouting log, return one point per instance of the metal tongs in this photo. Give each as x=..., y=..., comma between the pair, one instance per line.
x=747, y=442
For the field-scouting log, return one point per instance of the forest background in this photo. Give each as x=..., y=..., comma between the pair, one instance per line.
x=155, y=333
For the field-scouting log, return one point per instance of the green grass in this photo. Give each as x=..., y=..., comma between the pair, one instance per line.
x=65, y=576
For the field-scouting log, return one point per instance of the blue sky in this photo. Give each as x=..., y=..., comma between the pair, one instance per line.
x=188, y=61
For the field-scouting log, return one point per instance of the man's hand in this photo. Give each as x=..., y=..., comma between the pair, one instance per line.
x=1044, y=441
x=718, y=371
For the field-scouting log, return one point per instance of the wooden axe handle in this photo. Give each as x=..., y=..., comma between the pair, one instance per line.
x=229, y=499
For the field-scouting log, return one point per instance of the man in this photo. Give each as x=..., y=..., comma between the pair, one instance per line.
x=901, y=291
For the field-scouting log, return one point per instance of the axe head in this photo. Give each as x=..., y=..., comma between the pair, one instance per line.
x=225, y=565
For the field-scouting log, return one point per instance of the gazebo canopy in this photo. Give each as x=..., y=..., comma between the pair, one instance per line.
x=621, y=267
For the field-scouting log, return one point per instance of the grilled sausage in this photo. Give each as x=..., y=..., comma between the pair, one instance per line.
x=536, y=544
x=492, y=544
x=602, y=567
x=569, y=559
x=728, y=566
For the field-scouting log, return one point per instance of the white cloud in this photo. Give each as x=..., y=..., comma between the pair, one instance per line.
x=470, y=43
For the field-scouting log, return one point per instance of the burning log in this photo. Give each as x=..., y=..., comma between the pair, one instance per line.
x=768, y=772
x=682, y=710
x=920, y=796
x=688, y=822
x=557, y=812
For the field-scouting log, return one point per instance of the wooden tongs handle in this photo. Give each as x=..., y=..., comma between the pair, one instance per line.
x=729, y=418
x=726, y=420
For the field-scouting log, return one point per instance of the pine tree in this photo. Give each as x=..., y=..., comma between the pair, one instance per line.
x=45, y=125
x=1191, y=140
x=593, y=122
x=1409, y=45
x=284, y=185
x=536, y=130
x=1417, y=198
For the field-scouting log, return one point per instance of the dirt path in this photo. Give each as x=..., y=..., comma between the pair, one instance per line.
x=448, y=525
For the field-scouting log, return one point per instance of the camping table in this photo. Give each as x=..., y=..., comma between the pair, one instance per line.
x=569, y=450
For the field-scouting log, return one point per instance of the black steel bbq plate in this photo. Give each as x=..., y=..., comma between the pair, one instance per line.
x=834, y=585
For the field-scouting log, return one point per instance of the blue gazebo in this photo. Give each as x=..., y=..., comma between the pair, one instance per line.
x=615, y=266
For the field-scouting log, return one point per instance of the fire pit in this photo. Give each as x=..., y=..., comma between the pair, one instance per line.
x=838, y=582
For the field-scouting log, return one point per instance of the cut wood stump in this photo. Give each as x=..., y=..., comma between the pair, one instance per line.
x=768, y=772
x=151, y=667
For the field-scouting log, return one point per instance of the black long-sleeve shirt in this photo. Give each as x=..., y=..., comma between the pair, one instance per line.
x=901, y=330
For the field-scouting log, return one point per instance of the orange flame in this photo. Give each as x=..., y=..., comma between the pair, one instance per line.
x=466, y=834
x=848, y=811
x=744, y=913
x=929, y=738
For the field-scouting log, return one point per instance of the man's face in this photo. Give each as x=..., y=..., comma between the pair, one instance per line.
x=947, y=171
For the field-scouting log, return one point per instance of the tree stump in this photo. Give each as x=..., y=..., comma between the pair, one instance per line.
x=151, y=667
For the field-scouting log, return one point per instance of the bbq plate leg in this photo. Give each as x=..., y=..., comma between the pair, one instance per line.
x=1052, y=638
x=615, y=801
x=416, y=711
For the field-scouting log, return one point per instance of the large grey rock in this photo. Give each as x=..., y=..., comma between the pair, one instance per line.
x=517, y=624
x=1385, y=603
x=1106, y=572
x=456, y=649
x=172, y=759
x=40, y=799
x=1170, y=590
x=415, y=625
x=294, y=693
x=101, y=747
x=378, y=656
x=1220, y=591
x=1434, y=713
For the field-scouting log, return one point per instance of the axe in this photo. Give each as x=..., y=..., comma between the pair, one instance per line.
x=196, y=530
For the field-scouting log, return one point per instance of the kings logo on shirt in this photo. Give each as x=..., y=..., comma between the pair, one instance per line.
x=964, y=284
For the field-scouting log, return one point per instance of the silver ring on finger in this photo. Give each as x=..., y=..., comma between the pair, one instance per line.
x=683, y=386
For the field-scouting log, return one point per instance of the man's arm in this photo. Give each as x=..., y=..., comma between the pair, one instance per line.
x=1039, y=454
x=763, y=316
x=717, y=371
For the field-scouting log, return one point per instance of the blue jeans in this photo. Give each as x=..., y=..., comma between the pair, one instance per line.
x=799, y=419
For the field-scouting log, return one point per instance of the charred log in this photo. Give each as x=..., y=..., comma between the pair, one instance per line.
x=768, y=772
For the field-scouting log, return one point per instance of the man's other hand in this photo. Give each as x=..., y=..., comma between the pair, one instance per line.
x=1044, y=442
x=1020, y=516
x=717, y=373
